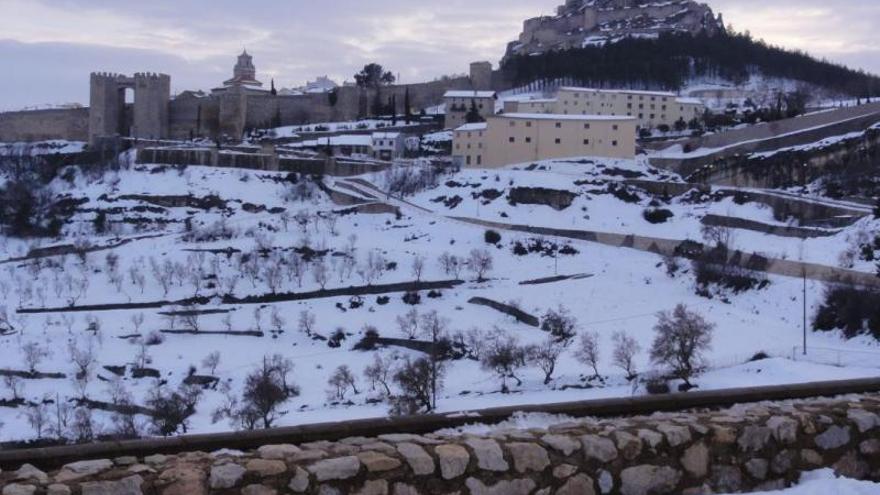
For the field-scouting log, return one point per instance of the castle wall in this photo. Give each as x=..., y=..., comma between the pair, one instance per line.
x=41, y=125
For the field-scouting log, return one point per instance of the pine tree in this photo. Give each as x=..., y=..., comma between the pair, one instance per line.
x=273, y=90
x=393, y=110
x=473, y=115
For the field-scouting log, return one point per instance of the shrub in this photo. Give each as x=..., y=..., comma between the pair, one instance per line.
x=336, y=338
x=492, y=237
x=656, y=385
x=657, y=215
x=412, y=298
x=855, y=311
x=382, y=300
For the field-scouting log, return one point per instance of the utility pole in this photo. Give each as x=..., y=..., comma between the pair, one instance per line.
x=805, y=309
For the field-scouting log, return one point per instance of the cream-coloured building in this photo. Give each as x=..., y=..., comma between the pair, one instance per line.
x=458, y=104
x=510, y=138
x=650, y=108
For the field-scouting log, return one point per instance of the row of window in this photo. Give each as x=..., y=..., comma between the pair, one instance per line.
x=528, y=139
x=558, y=126
x=628, y=97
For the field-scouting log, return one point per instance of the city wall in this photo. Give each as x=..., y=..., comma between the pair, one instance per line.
x=42, y=125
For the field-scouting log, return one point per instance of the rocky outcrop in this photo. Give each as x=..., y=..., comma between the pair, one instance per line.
x=554, y=198
x=744, y=448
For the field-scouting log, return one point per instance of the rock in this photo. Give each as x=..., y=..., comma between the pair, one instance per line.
x=771, y=486
x=811, y=458
x=125, y=486
x=579, y=485
x=453, y=459
x=606, y=482
x=870, y=447
x=183, y=479
x=757, y=468
x=850, y=466
x=374, y=487
x=562, y=443
x=726, y=479
x=488, y=453
x=528, y=457
x=783, y=429
x=783, y=462
x=82, y=469
x=404, y=489
x=676, y=435
x=156, y=460
x=652, y=438
x=278, y=452
x=328, y=490
x=377, y=463
x=226, y=475
x=723, y=435
x=647, y=479
x=308, y=455
x=300, y=481
x=419, y=461
x=515, y=487
x=19, y=489
x=696, y=460
x=265, y=467
x=29, y=473
x=754, y=438
x=564, y=471
x=599, y=448
x=339, y=468
x=124, y=461
x=258, y=490
x=628, y=445
x=58, y=489
x=864, y=420
x=408, y=438
x=832, y=438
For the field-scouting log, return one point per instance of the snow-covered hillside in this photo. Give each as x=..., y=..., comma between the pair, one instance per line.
x=235, y=262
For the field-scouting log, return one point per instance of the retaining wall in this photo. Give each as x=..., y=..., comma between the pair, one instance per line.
x=761, y=446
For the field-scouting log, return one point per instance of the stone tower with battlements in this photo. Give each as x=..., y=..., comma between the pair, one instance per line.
x=108, y=116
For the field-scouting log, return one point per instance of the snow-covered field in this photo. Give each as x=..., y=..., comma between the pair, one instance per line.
x=263, y=218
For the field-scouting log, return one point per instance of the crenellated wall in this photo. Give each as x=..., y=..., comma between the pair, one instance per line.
x=761, y=446
x=42, y=125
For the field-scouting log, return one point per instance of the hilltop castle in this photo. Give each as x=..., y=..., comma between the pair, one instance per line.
x=579, y=23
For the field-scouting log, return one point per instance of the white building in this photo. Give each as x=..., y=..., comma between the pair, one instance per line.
x=388, y=145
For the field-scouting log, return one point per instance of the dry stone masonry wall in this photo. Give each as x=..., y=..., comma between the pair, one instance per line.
x=761, y=446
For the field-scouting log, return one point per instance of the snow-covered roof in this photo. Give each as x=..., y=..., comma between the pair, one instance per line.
x=553, y=116
x=623, y=91
x=694, y=101
x=343, y=140
x=469, y=94
x=476, y=126
x=386, y=135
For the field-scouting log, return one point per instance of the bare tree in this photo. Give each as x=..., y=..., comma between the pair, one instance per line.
x=450, y=264
x=172, y=409
x=211, y=362
x=588, y=352
x=162, y=273
x=504, y=356
x=379, y=373
x=137, y=320
x=340, y=381
x=227, y=322
x=681, y=339
x=60, y=418
x=306, y=322
x=189, y=318
x=546, y=355
x=475, y=340
x=276, y=320
x=34, y=354
x=418, y=266
x=265, y=390
x=480, y=263
x=414, y=379
x=320, y=273
x=296, y=267
x=625, y=350
x=409, y=323
x=14, y=384
x=83, y=427
x=560, y=323
x=273, y=273
x=38, y=417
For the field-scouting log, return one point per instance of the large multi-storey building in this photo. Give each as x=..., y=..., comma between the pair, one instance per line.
x=459, y=103
x=650, y=108
x=511, y=138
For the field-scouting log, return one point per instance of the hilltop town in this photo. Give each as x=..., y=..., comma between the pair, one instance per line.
x=247, y=257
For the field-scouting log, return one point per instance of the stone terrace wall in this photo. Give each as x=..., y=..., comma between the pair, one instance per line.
x=755, y=447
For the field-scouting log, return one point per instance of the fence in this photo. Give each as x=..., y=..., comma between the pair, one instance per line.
x=837, y=357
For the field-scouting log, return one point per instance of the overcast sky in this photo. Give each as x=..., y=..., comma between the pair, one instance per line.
x=48, y=47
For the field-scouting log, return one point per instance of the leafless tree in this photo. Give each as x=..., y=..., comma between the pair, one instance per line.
x=681, y=339
x=625, y=350
x=273, y=273
x=560, y=323
x=189, y=318
x=504, y=356
x=14, y=384
x=717, y=235
x=418, y=266
x=230, y=281
x=265, y=390
x=296, y=268
x=258, y=318
x=38, y=417
x=588, y=352
x=480, y=263
x=142, y=358
x=211, y=362
x=34, y=354
x=227, y=322
x=414, y=380
x=340, y=381
x=137, y=320
x=379, y=373
x=163, y=274
x=450, y=264
x=409, y=323
x=250, y=267
x=545, y=355
x=306, y=322
x=319, y=272
x=276, y=320
x=83, y=427
x=60, y=418
x=475, y=340
x=137, y=278
x=173, y=408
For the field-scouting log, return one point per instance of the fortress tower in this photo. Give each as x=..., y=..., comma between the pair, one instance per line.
x=107, y=110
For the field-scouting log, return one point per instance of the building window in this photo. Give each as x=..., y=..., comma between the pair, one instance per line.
x=480, y=145
x=528, y=140
x=641, y=115
x=614, y=127
x=528, y=124
x=479, y=159
x=664, y=107
x=586, y=126
x=468, y=160
x=586, y=142
x=629, y=105
x=469, y=146
x=652, y=116
x=511, y=139
x=613, y=143
x=641, y=106
x=559, y=125
x=558, y=141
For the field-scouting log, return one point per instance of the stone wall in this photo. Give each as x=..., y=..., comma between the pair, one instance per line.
x=761, y=446
x=41, y=125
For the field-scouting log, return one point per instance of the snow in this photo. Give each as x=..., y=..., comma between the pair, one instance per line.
x=825, y=482
x=625, y=291
x=478, y=126
x=546, y=116
x=469, y=94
